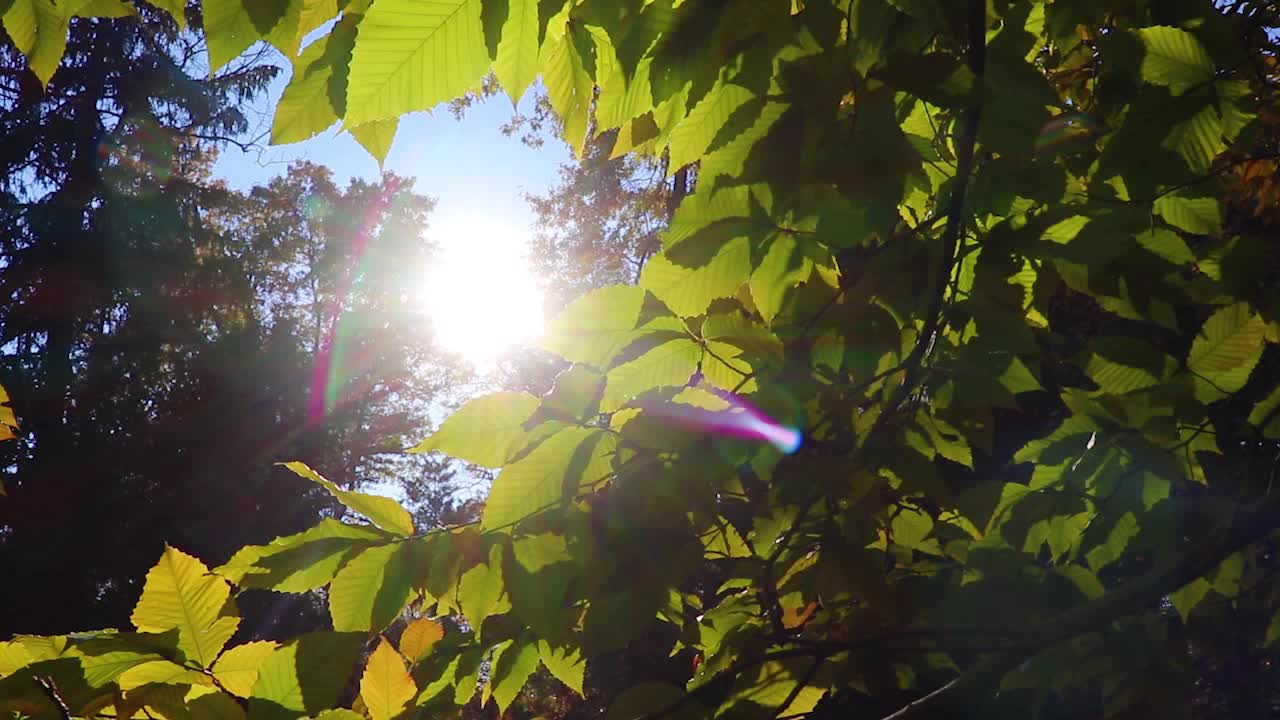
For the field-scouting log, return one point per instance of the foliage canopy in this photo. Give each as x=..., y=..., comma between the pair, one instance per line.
x=903, y=213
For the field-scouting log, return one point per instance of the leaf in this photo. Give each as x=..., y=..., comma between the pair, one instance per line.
x=1185, y=599
x=371, y=589
x=160, y=672
x=670, y=364
x=180, y=593
x=385, y=686
x=536, y=481
x=565, y=664
x=486, y=430
x=314, y=14
x=511, y=670
x=516, y=64
x=381, y=511
x=376, y=137
x=38, y=29
x=1266, y=412
x=177, y=9
x=316, y=96
x=419, y=637
x=569, y=86
x=413, y=54
x=692, y=136
x=537, y=581
x=237, y=670
x=1196, y=215
x=784, y=266
x=305, y=676
x=232, y=26
x=1174, y=58
x=597, y=326
x=300, y=562
x=689, y=291
x=1226, y=349
x=480, y=589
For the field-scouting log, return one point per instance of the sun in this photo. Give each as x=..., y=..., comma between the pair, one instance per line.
x=480, y=292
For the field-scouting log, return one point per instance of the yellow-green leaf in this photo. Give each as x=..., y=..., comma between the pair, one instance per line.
x=413, y=54
x=237, y=669
x=536, y=481
x=161, y=672
x=180, y=593
x=1226, y=350
x=304, y=676
x=316, y=95
x=671, y=364
x=510, y=672
x=517, y=63
x=385, y=686
x=597, y=326
x=485, y=431
x=371, y=589
x=1174, y=58
x=381, y=511
x=689, y=290
x=376, y=137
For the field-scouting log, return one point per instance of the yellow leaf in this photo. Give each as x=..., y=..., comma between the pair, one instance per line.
x=160, y=672
x=419, y=637
x=181, y=594
x=237, y=669
x=386, y=686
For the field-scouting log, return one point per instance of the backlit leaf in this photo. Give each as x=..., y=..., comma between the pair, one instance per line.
x=412, y=55
x=485, y=431
x=516, y=65
x=536, y=481
x=371, y=589
x=419, y=637
x=385, y=686
x=180, y=593
x=304, y=676
x=1174, y=58
x=237, y=669
x=669, y=364
x=381, y=511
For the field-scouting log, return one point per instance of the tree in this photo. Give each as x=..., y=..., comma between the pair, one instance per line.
x=950, y=367
x=151, y=335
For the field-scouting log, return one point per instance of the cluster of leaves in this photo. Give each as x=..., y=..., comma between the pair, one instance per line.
x=905, y=211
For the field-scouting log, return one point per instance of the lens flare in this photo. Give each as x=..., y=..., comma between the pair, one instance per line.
x=1064, y=129
x=720, y=413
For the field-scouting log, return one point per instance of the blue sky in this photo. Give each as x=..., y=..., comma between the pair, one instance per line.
x=481, y=223
x=468, y=165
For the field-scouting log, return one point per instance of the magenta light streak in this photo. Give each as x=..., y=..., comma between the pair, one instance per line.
x=740, y=420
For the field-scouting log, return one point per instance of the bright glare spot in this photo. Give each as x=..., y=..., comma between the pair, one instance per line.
x=480, y=291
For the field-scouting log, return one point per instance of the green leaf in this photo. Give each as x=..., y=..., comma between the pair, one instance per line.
x=376, y=137
x=1265, y=411
x=670, y=364
x=480, y=590
x=565, y=663
x=538, y=580
x=569, y=86
x=177, y=9
x=38, y=29
x=1174, y=58
x=231, y=26
x=180, y=593
x=784, y=266
x=516, y=65
x=652, y=699
x=381, y=511
x=536, y=481
x=237, y=670
x=1167, y=245
x=316, y=96
x=161, y=672
x=300, y=562
x=385, y=686
x=692, y=136
x=314, y=14
x=689, y=291
x=413, y=54
x=305, y=676
x=511, y=670
x=372, y=588
x=1225, y=350
x=1185, y=599
x=596, y=327
x=486, y=431
x=1198, y=139
x=1196, y=215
